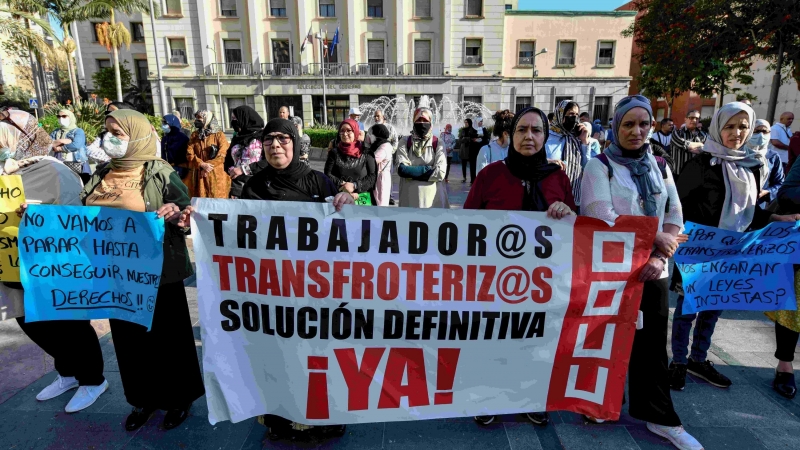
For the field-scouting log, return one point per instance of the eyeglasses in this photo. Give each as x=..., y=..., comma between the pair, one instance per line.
x=693, y=117
x=761, y=132
x=282, y=139
x=345, y=132
x=62, y=117
x=630, y=98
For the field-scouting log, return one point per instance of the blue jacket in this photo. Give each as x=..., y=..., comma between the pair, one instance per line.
x=776, y=177
x=78, y=145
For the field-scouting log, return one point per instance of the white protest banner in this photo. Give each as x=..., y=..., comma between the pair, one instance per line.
x=386, y=314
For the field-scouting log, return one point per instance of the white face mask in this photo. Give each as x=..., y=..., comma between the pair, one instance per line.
x=115, y=147
x=64, y=122
x=759, y=140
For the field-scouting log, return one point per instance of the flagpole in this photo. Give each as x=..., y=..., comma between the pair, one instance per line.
x=324, y=87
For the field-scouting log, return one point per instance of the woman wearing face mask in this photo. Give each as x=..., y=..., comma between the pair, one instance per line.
x=422, y=165
x=174, y=144
x=718, y=188
x=466, y=135
x=497, y=150
x=523, y=181
x=568, y=144
x=69, y=144
x=628, y=180
x=758, y=145
x=449, y=141
x=205, y=156
x=159, y=368
x=245, y=147
x=348, y=166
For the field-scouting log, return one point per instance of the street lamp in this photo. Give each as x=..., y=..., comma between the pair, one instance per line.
x=219, y=85
x=533, y=75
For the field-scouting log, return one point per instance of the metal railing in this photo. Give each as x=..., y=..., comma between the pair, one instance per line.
x=282, y=69
x=566, y=61
x=376, y=69
x=331, y=69
x=525, y=61
x=238, y=68
x=605, y=61
x=427, y=69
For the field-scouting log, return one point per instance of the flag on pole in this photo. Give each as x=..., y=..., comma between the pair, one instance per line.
x=335, y=41
x=309, y=38
x=325, y=43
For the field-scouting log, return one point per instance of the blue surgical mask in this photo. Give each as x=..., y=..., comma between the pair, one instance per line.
x=165, y=128
x=6, y=153
x=758, y=140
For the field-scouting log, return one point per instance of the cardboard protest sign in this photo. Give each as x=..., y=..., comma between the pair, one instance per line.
x=12, y=195
x=90, y=262
x=724, y=269
x=388, y=314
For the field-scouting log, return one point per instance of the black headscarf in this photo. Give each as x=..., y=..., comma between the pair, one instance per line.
x=381, y=134
x=297, y=182
x=250, y=124
x=532, y=169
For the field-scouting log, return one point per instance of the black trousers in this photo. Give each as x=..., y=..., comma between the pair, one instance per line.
x=449, y=161
x=786, y=341
x=73, y=345
x=473, y=161
x=159, y=368
x=648, y=372
x=464, y=164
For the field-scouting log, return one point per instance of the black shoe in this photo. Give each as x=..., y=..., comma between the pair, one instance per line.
x=485, y=420
x=707, y=372
x=677, y=376
x=784, y=384
x=464, y=180
x=137, y=418
x=538, y=418
x=392, y=202
x=328, y=431
x=175, y=417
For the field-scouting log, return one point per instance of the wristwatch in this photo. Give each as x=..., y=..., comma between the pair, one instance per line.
x=661, y=257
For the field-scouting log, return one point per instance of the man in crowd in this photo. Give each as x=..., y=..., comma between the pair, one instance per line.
x=780, y=136
x=380, y=119
x=283, y=112
x=585, y=117
x=687, y=142
x=663, y=137
x=355, y=114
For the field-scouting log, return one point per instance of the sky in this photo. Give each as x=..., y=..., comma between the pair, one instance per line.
x=573, y=5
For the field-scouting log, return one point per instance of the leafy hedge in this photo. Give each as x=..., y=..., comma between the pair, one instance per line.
x=320, y=137
x=91, y=119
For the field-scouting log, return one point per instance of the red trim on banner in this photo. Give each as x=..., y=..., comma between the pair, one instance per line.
x=589, y=377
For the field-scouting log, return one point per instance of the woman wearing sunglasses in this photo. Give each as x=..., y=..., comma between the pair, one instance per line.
x=758, y=145
x=349, y=167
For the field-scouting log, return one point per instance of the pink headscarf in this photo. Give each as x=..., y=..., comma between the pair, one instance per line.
x=354, y=148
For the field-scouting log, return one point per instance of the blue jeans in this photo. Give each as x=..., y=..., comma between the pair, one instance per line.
x=703, y=330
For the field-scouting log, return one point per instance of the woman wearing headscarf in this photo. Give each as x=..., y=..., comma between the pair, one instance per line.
x=759, y=146
x=30, y=138
x=449, y=142
x=628, y=180
x=69, y=143
x=497, y=150
x=205, y=159
x=245, y=147
x=159, y=368
x=382, y=151
x=466, y=134
x=568, y=144
x=422, y=165
x=174, y=144
x=523, y=181
x=719, y=188
x=348, y=166
x=478, y=141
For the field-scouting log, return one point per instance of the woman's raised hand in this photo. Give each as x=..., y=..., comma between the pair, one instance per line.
x=170, y=212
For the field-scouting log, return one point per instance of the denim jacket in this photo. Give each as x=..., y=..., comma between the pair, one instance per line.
x=78, y=145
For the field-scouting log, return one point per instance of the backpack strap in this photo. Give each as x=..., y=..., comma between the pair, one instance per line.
x=604, y=159
x=435, y=143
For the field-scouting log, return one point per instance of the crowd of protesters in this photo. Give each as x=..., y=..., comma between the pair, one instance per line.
x=737, y=175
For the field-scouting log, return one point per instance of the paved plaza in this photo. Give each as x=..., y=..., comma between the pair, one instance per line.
x=749, y=415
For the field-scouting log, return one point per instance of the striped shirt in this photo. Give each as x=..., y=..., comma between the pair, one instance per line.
x=679, y=146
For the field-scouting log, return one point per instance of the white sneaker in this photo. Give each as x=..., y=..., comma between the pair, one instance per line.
x=85, y=397
x=677, y=435
x=57, y=387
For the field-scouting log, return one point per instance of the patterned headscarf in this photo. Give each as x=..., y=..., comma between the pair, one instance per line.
x=142, y=145
x=558, y=117
x=210, y=125
x=32, y=140
x=572, y=151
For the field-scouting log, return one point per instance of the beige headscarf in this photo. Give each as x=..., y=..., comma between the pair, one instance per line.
x=142, y=146
x=73, y=123
x=9, y=136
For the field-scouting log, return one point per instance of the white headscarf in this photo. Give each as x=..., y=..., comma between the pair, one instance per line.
x=741, y=191
x=478, y=128
x=760, y=152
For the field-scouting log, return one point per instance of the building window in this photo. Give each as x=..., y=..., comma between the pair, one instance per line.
x=472, y=51
x=566, y=53
x=605, y=53
x=233, y=51
x=422, y=8
x=94, y=31
x=660, y=113
x=227, y=8
x=473, y=99
x=330, y=56
x=274, y=103
x=185, y=107
x=280, y=52
x=141, y=71
x=522, y=103
x=474, y=8
x=174, y=7
x=374, y=8
x=526, y=51
x=177, y=51
x=508, y=7
x=375, y=52
x=232, y=103
x=103, y=64
x=277, y=8
x=327, y=8
x=602, y=107
x=422, y=57
x=338, y=108
x=137, y=32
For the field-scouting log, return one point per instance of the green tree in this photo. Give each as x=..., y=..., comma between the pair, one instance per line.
x=105, y=80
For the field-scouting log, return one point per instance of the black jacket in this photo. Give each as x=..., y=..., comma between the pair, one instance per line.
x=342, y=168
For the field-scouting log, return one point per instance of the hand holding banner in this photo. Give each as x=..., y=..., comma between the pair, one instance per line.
x=90, y=262
x=12, y=196
x=724, y=269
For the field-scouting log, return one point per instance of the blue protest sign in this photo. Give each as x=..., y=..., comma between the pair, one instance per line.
x=90, y=262
x=724, y=269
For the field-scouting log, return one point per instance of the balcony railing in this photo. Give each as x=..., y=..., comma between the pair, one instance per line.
x=525, y=61
x=227, y=69
x=376, y=70
x=331, y=69
x=428, y=69
x=282, y=69
x=566, y=61
x=605, y=61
